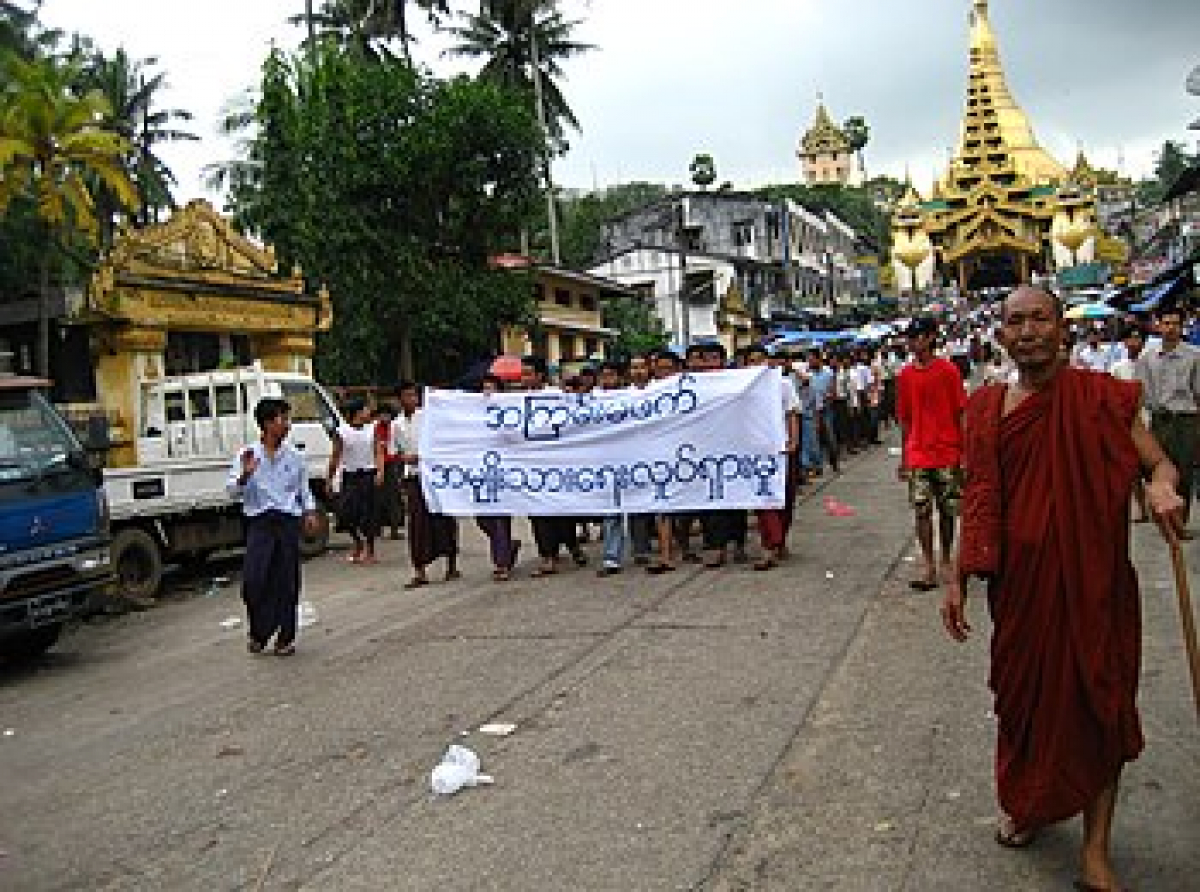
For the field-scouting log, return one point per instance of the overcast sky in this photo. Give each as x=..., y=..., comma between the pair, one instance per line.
x=671, y=78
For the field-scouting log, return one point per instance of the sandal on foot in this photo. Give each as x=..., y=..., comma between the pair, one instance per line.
x=922, y=585
x=1008, y=836
x=658, y=569
x=416, y=582
x=765, y=564
x=285, y=650
x=452, y=575
x=543, y=571
x=1085, y=886
x=500, y=576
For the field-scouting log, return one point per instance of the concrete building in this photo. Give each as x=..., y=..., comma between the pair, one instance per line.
x=570, y=307
x=709, y=258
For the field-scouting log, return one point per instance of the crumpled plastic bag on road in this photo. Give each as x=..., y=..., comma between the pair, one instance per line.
x=459, y=768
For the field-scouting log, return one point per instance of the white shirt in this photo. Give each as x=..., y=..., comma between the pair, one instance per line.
x=791, y=399
x=405, y=434
x=358, y=447
x=1100, y=358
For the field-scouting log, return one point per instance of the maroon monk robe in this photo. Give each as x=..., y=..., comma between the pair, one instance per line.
x=1063, y=595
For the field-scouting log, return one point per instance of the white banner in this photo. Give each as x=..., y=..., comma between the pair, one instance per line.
x=691, y=443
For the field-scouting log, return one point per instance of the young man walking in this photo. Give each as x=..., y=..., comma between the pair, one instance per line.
x=1170, y=376
x=271, y=479
x=930, y=401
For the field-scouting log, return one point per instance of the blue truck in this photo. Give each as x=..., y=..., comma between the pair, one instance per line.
x=54, y=525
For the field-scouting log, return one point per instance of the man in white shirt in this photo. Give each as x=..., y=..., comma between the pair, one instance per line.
x=1098, y=356
x=430, y=536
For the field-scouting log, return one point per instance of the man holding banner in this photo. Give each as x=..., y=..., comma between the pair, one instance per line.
x=773, y=522
x=551, y=533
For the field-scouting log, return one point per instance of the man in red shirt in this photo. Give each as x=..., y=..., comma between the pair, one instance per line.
x=930, y=402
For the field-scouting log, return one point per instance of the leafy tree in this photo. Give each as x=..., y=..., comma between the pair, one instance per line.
x=584, y=218
x=18, y=27
x=131, y=89
x=53, y=140
x=394, y=189
x=503, y=34
x=854, y=205
x=637, y=324
x=703, y=170
x=858, y=134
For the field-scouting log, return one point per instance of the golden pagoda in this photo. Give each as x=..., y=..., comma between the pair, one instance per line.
x=993, y=218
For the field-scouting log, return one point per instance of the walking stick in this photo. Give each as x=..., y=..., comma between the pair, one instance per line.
x=1189, y=620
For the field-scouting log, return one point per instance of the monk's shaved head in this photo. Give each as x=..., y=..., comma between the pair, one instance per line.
x=1025, y=293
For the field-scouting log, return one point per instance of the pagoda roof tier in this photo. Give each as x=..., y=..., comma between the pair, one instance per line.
x=995, y=129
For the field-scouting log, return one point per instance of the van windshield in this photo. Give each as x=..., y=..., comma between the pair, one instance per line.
x=34, y=440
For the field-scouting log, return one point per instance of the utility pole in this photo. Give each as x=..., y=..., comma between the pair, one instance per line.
x=830, y=297
x=539, y=101
x=685, y=313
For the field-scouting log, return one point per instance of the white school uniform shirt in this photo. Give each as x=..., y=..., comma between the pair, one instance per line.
x=405, y=434
x=358, y=447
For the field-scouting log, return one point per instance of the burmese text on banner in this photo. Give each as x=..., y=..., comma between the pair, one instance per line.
x=693, y=442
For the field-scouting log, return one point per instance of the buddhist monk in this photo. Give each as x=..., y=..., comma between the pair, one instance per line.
x=1050, y=464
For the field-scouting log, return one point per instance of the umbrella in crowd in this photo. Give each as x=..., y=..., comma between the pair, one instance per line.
x=1091, y=311
x=506, y=367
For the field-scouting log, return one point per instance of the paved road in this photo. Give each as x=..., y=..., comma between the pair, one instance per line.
x=803, y=729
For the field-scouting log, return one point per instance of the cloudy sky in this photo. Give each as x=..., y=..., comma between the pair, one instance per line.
x=740, y=80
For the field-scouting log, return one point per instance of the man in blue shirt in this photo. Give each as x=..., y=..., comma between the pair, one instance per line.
x=814, y=402
x=271, y=479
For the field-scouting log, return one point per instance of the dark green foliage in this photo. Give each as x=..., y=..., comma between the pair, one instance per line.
x=638, y=325
x=583, y=219
x=393, y=189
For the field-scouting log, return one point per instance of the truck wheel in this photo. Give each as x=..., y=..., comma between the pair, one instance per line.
x=138, y=563
x=31, y=644
x=311, y=546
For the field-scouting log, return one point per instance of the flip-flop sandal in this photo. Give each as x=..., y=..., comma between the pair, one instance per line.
x=501, y=576
x=658, y=569
x=922, y=585
x=452, y=575
x=415, y=583
x=286, y=650
x=353, y=559
x=543, y=571
x=1084, y=886
x=580, y=559
x=1011, y=838
x=765, y=565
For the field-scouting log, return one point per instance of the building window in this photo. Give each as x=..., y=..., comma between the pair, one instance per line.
x=592, y=346
x=539, y=292
x=566, y=347
x=743, y=234
x=587, y=302
x=562, y=297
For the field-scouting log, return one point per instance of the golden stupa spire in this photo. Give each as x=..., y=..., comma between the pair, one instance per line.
x=996, y=132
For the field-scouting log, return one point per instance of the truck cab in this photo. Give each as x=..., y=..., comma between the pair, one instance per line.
x=171, y=506
x=54, y=524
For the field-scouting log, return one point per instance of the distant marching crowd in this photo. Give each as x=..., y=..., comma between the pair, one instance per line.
x=835, y=404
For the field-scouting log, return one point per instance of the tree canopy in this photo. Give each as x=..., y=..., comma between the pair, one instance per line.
x=394, y=189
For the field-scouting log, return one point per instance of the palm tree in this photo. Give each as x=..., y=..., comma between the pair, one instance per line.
x=509, y=35
x=363, y=23
x=52, y=140
x=522, y=42
x=130, y=88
